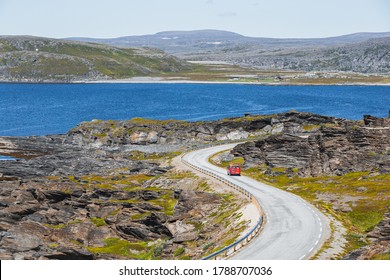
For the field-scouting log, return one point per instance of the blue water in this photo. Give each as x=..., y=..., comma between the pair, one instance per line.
x=6, y=158
x=39, y=109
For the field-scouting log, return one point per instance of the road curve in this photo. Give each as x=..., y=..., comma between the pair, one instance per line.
x=294, y=229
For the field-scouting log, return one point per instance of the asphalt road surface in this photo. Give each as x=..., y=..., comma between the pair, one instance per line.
x=293, y=228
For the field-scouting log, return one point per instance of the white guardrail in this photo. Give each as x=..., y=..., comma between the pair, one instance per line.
x=232, y=248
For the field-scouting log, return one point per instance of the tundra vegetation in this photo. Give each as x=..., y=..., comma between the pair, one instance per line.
x=33, y=59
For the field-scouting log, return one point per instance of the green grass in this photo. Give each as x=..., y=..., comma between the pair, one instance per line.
x=50, y=68
x=117, y=246
x=54, y=245
x=230, y=241
x=140, y=216
x=310, y=127
x=137, y=155
x=204, y=187
x=166, y=201
x=98, y=221
x=381, y=256
x=59, y=226
x=144, y=121
x=112, y=182
x=364, y=221
x=180, y=175
x=179, y=251
x=63, y=60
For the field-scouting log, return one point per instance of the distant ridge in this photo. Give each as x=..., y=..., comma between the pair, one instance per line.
x=176, y=42
x=363, y=52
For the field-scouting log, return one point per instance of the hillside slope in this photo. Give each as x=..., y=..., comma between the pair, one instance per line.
x=359, y=52
x=32, y=59
x=372, y=56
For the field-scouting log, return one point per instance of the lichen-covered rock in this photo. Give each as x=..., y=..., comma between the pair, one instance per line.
x=147, y=132
x=331, y=150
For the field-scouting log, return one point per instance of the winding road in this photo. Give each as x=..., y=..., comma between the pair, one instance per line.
x=293, y=228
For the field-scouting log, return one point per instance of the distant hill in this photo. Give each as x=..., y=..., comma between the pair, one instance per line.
x=178, y=42
x=33, y=59
x=372, y=56
x=359, y=52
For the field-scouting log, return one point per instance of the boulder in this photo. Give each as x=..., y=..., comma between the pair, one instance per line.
x=183, y=237
x=20, y=241
x=70, y=254
x=137, y=231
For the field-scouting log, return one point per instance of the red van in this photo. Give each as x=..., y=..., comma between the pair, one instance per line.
x=234, y=169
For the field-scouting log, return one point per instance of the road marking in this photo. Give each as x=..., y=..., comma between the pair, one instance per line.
x=311, y=249
x=302, y=257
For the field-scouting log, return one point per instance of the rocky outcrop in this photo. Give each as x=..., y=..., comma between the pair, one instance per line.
x=326, y=149
x=60, y=218
x=147, y=132
x=372, y=121
x=64, y=199
x=49, y=156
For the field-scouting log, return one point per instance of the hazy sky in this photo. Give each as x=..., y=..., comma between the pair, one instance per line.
x=259, y=18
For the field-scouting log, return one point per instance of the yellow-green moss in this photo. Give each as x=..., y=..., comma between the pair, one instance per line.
x=230, y=241
x=137, y=155
x=54, y=245
x=204, y=186
x=59, y=226
x=140, y=216
x=310, y=127
x=180, y=175
x=279, y=169
x=154, y=122
x=98, y=221
x=381, y=256
x=179, y=251
x=167, y=202
x=117, y=246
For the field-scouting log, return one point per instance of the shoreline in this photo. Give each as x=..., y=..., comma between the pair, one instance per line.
x=151, y=80
x=141, y=81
